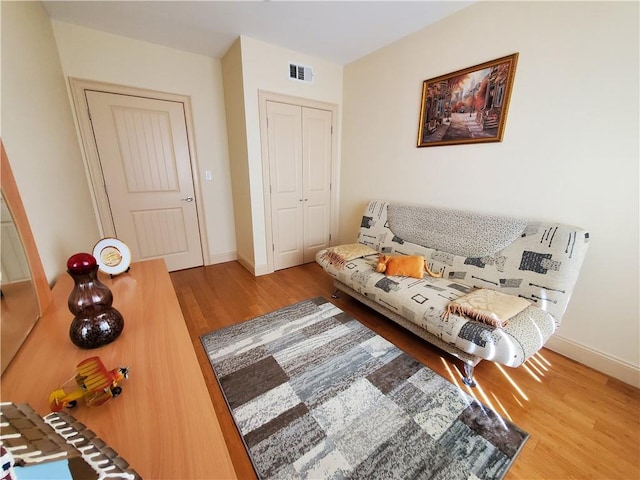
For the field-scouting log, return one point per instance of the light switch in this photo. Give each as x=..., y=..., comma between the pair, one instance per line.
x=207, y=175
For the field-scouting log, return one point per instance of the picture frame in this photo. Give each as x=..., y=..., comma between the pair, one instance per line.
x=468, y=105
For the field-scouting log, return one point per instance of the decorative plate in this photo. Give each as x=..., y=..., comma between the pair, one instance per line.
x=113, y=256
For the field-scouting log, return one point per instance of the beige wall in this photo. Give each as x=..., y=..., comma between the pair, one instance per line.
x=94, y=55
x=570, y=151
x=238, y=156
x=40, y=138
x=266, y=67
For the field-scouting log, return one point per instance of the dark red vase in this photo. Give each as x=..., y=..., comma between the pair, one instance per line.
x=96, y=323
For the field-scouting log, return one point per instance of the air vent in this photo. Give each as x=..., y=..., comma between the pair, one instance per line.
x=301, y=73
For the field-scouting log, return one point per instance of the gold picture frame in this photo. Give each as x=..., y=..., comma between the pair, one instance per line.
x=467, y=106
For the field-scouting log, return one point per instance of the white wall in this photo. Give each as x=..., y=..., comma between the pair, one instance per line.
x=94, y=55
x=570, y=150
x=266, y=67
x=40, y=138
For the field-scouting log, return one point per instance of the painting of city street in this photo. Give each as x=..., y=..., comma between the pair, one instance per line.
x=467, y=106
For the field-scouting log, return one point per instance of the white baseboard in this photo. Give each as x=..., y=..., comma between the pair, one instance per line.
x=602, y=362
x=256, y=270
x=261, y=270
x=222, y=258
x=246, y=263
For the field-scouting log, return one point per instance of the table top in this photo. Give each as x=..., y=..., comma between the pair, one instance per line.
x=163, y=423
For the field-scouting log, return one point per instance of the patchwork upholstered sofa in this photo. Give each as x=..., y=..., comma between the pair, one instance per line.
x=532, y=260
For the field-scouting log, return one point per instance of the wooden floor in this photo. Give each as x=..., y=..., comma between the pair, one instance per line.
x=582, y=424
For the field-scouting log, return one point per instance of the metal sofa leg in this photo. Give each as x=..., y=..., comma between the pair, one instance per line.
x=468, y=375
x=336, y=294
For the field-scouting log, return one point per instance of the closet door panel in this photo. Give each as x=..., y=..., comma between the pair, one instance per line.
x=285, y=175
x=316, y=184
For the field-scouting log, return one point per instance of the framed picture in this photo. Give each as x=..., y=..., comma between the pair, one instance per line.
x=467, y=106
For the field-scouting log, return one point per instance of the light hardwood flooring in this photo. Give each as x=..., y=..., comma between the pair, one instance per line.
x=582, y=424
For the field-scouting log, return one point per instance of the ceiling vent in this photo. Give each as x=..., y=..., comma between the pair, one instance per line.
x=300, y=73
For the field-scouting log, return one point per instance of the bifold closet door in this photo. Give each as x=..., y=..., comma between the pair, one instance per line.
x=316, y=183
x=300, y=157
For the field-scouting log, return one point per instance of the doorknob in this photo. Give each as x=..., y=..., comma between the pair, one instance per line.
x=188, y=199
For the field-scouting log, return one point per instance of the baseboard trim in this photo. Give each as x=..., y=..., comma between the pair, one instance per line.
x=261, y=270
x=249, y=265
x=222, y=258
x=246, y=263
x=600, y=361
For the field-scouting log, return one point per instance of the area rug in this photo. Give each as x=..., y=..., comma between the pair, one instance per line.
x=315, y=394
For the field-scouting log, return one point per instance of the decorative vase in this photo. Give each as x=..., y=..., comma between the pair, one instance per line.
x=96, y=323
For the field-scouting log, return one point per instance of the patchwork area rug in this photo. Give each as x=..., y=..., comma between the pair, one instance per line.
x=316, y=394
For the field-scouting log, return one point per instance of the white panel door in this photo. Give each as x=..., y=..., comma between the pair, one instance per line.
x=285, y=176
x=144, y=155
x=316, y=183
x=300, y=160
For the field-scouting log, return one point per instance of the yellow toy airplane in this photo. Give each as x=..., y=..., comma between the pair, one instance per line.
x=93, y=382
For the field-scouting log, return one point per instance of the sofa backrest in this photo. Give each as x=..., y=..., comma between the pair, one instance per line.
x=539, y=261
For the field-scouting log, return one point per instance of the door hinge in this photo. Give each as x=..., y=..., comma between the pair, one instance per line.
x=273, y=247
x=329, y=237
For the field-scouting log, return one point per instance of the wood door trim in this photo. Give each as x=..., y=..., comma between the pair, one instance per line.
x=78, y=88
x=263, y=98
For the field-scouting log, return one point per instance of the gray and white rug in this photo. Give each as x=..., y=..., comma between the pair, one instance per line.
x=315, y=394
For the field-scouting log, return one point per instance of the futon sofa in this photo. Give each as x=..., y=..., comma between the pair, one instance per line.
x=533, y=260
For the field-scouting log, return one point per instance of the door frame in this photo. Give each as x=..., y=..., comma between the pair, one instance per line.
x=99, y=196
x=264, y=97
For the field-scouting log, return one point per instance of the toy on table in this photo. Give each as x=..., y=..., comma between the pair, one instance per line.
x=92, y=381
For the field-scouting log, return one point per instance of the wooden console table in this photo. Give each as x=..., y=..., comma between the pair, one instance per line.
x=163, y=423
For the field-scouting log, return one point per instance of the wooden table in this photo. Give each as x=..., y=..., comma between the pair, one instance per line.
x=163, y=423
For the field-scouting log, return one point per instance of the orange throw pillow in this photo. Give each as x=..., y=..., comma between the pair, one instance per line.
x=404, y=265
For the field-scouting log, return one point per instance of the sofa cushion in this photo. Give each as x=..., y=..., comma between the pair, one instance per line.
x=458, y=232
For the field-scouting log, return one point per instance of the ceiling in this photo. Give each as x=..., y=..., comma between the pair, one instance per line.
x=337, y=31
